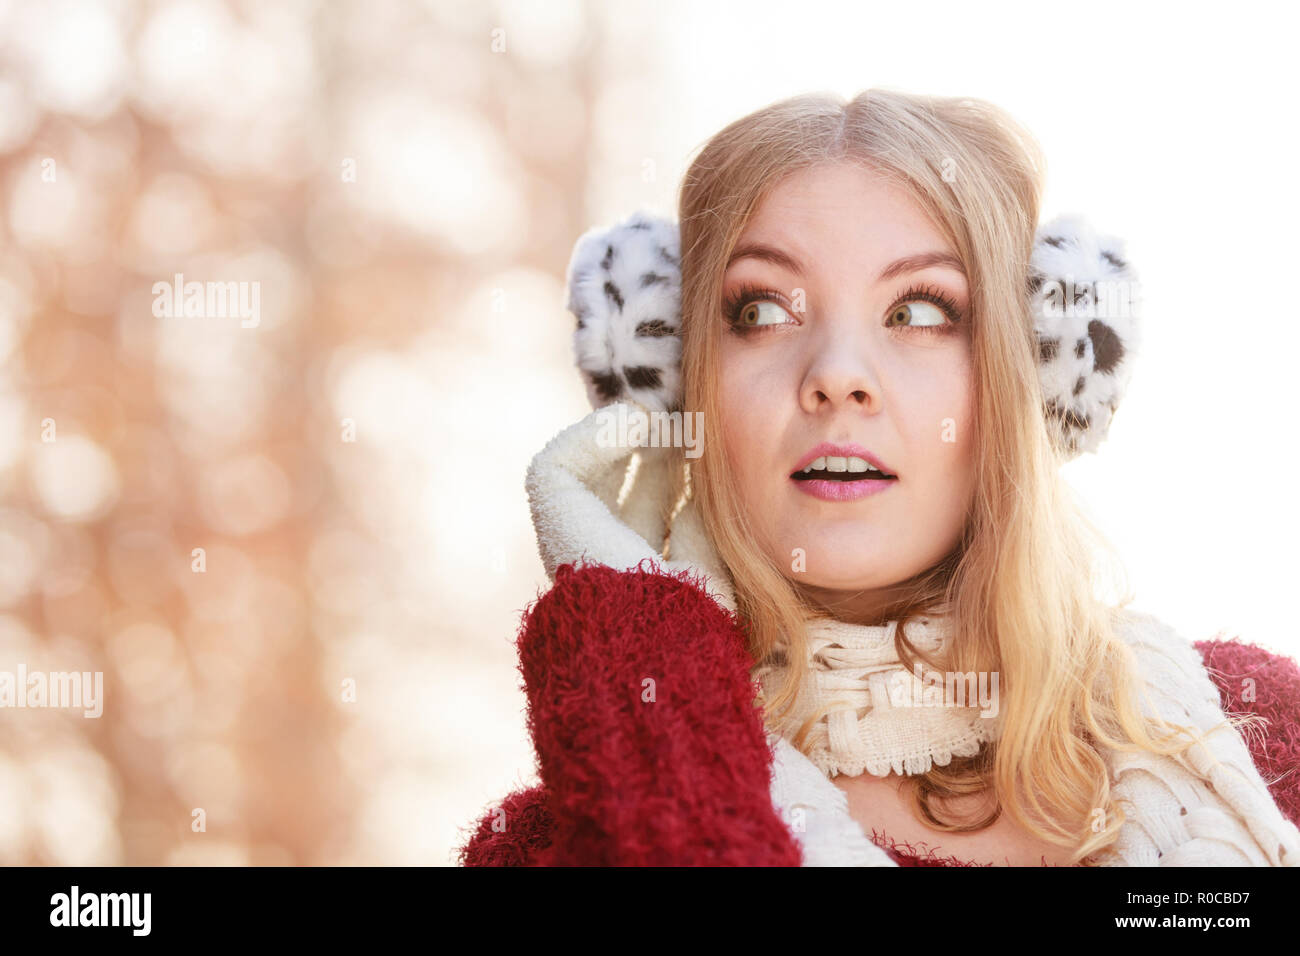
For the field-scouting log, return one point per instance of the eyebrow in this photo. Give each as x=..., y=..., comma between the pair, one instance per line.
x=913, y=263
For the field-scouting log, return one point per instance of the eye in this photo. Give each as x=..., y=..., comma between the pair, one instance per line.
x=926, y=308
x=761, y=312
x=916, y=314
x=751, y=307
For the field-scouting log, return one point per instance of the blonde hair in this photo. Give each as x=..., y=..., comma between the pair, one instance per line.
x=1019, y=588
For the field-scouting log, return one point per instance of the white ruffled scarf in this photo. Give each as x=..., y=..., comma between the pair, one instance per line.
x=886, y=718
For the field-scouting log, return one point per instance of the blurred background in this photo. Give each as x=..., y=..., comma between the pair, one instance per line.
x=298, y=548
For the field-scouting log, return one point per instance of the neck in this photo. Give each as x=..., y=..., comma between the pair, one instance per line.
x=870, y=607
x=878, y=606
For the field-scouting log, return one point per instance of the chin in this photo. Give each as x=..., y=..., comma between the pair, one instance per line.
x=849, y=585
x=826, y=570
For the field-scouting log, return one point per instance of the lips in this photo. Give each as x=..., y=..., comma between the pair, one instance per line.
x=841, y=476
x=828, y=490
x=838, y=466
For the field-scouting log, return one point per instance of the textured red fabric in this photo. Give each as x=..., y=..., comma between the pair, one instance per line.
x=649, y=740
x=1275, y=686
x=908, y=854
x=512, y=833
x=685, y=780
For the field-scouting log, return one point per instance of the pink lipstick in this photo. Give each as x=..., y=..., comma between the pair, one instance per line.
x=835, y=472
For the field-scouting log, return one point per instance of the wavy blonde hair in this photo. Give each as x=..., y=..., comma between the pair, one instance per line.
x=1019, y=588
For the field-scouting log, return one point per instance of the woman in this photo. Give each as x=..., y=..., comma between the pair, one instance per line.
x=876, y=521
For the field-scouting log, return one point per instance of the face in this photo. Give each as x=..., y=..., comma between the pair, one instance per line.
x=847, y=323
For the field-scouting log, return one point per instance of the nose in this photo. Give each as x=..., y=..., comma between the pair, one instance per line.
x=840, y=373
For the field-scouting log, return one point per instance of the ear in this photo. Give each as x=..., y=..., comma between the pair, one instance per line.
x=1084, y=303
x=624, y=287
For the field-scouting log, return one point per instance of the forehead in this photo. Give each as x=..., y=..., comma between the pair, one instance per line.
x=842, y=212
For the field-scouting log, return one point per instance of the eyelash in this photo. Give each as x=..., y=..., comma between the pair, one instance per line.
x=747, y=292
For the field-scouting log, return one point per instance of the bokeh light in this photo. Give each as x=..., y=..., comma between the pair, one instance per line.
x=296, y=544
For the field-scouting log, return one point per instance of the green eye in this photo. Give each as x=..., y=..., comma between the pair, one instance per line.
x=752, y=314
x=916, y=314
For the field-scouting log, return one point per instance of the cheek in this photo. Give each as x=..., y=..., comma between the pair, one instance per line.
x=745, y=416
x=936, y=406
x=951, y=418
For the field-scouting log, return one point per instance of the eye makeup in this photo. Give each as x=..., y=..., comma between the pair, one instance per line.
x=747, y=293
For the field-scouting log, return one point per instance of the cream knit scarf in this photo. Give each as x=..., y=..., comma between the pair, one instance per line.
x=883, y=717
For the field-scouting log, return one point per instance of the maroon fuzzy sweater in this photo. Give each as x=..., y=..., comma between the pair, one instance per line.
x=651, y=748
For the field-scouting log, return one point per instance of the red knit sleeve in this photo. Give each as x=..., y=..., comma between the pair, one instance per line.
x=512, y=833
x=649, y=741
x=1274, y=694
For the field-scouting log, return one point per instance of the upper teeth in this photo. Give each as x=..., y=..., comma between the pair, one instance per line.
x=831, y=463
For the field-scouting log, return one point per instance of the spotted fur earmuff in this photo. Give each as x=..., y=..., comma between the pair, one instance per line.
x=624, y=288
x=1084, y=301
